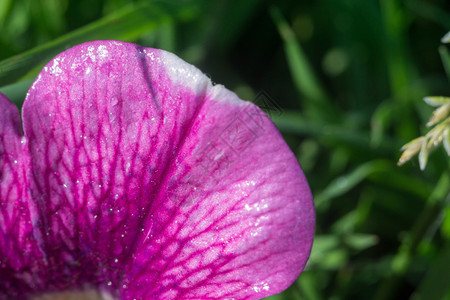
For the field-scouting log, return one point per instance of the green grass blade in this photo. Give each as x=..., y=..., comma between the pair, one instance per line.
x=296, y=123
x=377, y=170
x=401, y=71
x=5, y=6
x=16, y=92
x=302, y=72
x=347, y=182
x=445, y=57
x=127, y=25
x=303, y=75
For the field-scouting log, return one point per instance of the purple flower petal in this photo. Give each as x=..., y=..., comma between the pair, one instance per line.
x=19, y=254
x=149, y=182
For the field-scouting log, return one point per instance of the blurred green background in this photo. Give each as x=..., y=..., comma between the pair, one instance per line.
x=349, y=75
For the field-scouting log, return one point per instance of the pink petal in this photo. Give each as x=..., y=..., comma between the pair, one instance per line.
x=19, y=253
x=153, y=184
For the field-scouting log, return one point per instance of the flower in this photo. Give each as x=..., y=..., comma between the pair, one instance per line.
x=136, y=177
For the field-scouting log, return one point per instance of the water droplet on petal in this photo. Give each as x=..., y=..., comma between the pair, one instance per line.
x=114, y=101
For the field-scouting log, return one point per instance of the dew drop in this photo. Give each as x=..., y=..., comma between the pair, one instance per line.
x=114, y=101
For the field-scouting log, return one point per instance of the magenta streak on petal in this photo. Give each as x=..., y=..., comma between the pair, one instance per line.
x=245, y=232
x=19, y=253
x=150, y=183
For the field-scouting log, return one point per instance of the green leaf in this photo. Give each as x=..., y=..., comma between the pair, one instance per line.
x=329, y=251
x=326, y=253
x=126, y=25
x=361, y=241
